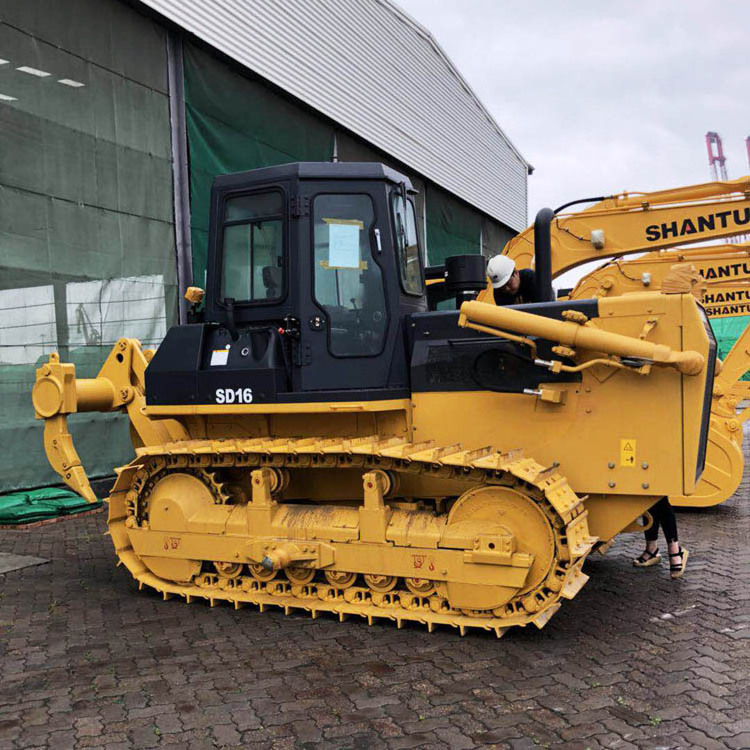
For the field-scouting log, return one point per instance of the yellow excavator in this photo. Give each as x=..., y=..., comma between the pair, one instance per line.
x=721, y=268
x=652, y=223
x=631, y=223
x=318, y=440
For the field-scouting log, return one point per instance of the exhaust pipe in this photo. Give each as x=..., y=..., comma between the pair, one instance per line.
x=543, y=255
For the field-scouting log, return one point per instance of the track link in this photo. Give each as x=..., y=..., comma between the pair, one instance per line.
x=473, y=468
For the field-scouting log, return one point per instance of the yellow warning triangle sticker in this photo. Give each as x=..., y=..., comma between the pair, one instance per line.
x=627, y=451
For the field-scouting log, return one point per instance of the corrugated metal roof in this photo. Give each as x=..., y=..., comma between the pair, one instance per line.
x=372, y=68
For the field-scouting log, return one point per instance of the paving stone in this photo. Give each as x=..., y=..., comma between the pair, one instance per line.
x=700, y=740
x=88, y=661
x=10, y=562
x=711, y=728
x=523, y=743
x=226, y=735
x=414, y=740
x=739, y=741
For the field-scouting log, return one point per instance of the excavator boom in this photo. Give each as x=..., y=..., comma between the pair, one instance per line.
x=640, y=222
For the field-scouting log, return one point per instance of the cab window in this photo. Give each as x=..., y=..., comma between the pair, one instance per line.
x=407, y=245
x=348, y=283
x=252, y=249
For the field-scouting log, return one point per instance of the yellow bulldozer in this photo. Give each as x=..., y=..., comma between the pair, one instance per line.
x=318, y=440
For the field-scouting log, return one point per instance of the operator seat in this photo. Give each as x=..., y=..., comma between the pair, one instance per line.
x=272, y=281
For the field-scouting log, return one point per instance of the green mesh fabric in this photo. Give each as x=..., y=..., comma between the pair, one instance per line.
x=86, y=229
x=452, y=227
x=494, y=236
x=235, y=123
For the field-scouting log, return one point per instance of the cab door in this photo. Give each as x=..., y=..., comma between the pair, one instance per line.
x=347, y=331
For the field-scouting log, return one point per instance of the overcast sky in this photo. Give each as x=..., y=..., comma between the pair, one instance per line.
x=603, y=97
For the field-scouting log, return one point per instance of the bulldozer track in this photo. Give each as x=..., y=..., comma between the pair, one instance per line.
x=549, y=490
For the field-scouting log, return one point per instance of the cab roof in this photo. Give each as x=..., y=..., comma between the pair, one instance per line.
x=313, y=170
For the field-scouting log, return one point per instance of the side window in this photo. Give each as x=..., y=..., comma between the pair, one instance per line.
x=252, y=249
x=348, y=282
x=407, y=245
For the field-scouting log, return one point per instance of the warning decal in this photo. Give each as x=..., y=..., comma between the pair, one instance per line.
x=627, y=452
x=219, y=357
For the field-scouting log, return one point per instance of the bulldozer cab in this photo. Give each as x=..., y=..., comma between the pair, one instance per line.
x=310, y=269
x=313, y=270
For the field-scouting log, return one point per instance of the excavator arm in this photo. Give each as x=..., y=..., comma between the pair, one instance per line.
x=638, y=222
x=720, y=266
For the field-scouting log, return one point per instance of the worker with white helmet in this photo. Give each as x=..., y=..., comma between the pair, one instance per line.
x=509, y=285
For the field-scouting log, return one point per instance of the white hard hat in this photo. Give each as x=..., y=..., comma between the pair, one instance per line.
x=500, y=269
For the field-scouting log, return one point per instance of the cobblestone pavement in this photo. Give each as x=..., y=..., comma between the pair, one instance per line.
x=636, y=660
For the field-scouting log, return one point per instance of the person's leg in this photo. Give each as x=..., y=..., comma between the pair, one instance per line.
x=677, y=555
x=652, y=533
x=668, y=522
x=650, y=556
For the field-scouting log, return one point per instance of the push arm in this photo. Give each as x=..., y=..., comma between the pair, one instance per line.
x=497, y=320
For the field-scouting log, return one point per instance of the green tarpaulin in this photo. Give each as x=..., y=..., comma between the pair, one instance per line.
x=235, y=123
x=41, y=505
x=452, y=227
x=86, y=227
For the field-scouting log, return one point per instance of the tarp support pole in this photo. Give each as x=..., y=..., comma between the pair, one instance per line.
x=180, y=176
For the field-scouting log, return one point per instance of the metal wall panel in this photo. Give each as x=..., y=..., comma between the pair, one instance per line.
x=371, y=68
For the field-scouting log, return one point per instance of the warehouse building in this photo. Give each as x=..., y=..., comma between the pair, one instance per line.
x=114, y=119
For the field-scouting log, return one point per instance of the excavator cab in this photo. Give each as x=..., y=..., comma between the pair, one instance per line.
x=311, y=269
